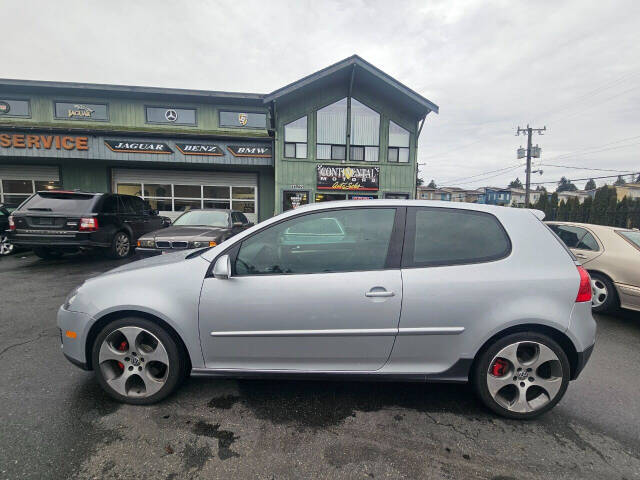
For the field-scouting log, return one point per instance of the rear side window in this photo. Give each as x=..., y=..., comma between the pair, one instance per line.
x=632, y=236
x=575, y=237
x=55, y=202
x=447, y=236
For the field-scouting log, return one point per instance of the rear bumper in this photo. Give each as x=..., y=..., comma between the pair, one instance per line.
x=74, y=239
x=583, y=358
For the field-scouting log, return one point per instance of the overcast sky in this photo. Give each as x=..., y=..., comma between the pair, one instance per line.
x=573, y=66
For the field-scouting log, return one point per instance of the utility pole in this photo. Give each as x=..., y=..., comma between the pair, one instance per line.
x=531, y=152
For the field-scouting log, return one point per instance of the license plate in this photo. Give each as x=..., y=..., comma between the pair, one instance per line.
x=46, y=221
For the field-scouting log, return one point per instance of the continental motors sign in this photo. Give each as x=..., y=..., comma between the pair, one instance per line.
x=43, y=142
x=342, y=177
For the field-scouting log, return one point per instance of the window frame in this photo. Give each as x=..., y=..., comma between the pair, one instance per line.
x=394, y=251
x=358, y=145
x=295, y=144
x=410, y=235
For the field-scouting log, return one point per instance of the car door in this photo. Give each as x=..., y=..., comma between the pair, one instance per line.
x=131, y=215
x=151, y=222
x=582, y=243
x=320, y=291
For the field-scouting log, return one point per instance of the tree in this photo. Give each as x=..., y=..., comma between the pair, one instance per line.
x=591, y=185
x=515, y=183
x=540, y=188
x=432, y=184
x=552, y=207
x=419, y=181
x=565, y=185
x=586, y=210
x=619, y=181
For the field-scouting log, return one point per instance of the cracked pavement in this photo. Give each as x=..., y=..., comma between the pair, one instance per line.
x=58, y=424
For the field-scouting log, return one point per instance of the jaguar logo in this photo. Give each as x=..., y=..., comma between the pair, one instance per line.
x=243, y=118
x=171, y=115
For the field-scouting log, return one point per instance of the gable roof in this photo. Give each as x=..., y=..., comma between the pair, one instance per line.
x=361, y=66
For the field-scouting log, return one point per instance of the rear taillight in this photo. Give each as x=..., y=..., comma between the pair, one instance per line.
x=89, y=224
x=584, y=292
x=12, y=224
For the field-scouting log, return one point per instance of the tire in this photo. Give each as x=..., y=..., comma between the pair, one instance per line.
x=120, y=246
x=604, y=294
x=526, y=393
x=6, y=247
x=124, y=372
x=47, y=253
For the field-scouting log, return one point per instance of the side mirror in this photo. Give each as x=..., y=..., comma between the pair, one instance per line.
x=166, y=221
x=222, y=267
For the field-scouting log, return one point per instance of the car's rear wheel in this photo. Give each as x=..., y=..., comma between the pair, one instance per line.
x=136, y=361
x=604, y=297
x=6, y=247
x=120, y=246
x=47, y=253
x=522, y=375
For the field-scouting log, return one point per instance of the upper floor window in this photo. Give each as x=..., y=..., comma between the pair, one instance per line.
x=365, y=133
x=398, y=143
x=295, y=138
x=332, y=131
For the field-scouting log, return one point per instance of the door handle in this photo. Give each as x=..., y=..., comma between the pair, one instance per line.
x=580, y=255
x=379, y=293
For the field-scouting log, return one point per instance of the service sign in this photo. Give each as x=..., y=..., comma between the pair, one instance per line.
x=244, y=151
x=43, y=142
x=342, y=177
x=132, y=146
x=199, y=149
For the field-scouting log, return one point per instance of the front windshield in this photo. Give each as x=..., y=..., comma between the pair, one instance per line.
x=209, y=218
x=633, y=237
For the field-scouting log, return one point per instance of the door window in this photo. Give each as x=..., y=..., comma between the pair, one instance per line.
x=330, y=241
x=447, y=236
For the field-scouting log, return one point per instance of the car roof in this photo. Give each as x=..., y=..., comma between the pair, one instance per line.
x=210, y=210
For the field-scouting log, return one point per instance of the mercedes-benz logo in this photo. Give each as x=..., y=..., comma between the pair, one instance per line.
x=171, y=115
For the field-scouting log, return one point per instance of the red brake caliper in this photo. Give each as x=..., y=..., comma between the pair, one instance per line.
x=499, y=367
x=123, y=347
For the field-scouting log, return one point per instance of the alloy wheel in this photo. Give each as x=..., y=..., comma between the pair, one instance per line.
x=524, y=377
x=134, y=362
x=6, y=248
x=599, y=292
x=122, y=245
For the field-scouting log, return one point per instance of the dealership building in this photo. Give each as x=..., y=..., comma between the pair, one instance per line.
x=349, y=131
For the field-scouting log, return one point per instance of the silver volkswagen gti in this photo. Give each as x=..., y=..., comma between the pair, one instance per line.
x=380, y=289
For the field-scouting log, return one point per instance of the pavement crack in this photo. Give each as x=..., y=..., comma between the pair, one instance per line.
x=14, y=345
x=452, y=427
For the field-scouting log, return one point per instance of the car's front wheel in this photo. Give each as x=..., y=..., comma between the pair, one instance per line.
x=6, y=247
x=136, y=361
x=522, y=375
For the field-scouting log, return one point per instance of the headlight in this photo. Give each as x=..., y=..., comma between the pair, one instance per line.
x=70, y=298
x=203, y=244
x=146, y=243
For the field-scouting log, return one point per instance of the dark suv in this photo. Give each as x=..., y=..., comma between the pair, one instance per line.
x=54, y=222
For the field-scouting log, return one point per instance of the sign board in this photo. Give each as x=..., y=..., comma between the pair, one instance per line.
x=343, y=177
x=43, y=142
x=81, y=111
x=249, y=151
x=125, y=146
x=199, y=149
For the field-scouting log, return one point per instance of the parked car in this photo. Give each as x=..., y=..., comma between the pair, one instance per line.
x=54, y=222
x=611, y=255
x=6, y=247
x=414, y=290
x=194, y=229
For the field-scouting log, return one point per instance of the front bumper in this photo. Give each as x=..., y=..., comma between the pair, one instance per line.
x=74, y=348
x=148, y=252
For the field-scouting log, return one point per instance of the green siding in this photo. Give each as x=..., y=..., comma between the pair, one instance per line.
x=394, y=178
x=89, y=178
x=129, y=114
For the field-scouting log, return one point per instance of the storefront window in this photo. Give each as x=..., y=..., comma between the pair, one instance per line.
x=332, y=131
x=177, y=198
x=14, y=192
x=365, y=133
x=398, y=144
x=397, y=196
x=293, y=199
x=295, y=138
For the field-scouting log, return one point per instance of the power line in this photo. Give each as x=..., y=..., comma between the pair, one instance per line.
x=486, y=178
x=586, y=168
x=456, y=180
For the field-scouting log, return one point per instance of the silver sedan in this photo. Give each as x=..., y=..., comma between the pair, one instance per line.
x=408, y=290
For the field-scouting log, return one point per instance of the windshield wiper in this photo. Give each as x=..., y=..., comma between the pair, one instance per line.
x=40, y=209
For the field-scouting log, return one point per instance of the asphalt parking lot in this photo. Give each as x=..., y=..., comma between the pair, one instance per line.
x=57, y=422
